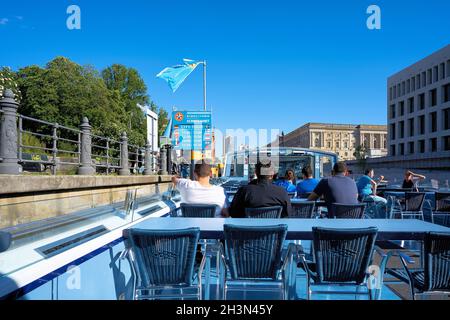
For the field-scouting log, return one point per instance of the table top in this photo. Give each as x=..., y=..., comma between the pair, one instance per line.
x=298, y=229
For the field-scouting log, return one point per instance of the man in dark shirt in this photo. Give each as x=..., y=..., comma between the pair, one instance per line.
x=260, y=194
x=336, y=189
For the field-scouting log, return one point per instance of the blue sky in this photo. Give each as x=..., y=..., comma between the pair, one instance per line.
x=271, y=64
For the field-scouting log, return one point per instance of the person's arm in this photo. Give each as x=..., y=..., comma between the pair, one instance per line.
x=175, y=180
x=421, y=177
x=225, y=212
x=313, y=196
x=374, y=187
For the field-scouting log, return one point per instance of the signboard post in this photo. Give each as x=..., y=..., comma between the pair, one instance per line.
x=191, y=130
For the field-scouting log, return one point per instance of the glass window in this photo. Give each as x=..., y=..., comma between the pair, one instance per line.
x=433, y=97
x=433, y=122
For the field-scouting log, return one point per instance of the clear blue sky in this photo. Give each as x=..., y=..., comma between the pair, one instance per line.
x=271, y=64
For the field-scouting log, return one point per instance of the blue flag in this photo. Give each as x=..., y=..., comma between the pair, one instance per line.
x=177, y=74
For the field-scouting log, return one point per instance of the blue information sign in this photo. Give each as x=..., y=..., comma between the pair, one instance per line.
x=191, y=130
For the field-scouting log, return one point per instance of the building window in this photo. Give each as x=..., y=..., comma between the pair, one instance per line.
x=433, y=144
x=390, y=93
x=422, y=124
x=433, y=122
x=433, y=97
x=392, y=150
x=337, y=144
x=401, y=148
x=408, y=86
x=418, y=81
x=410, y=147
x=421, y=144
x=442, y=71
x=421, y=101
x=429, y=76
x=411, y=105
x=424, y=79
x=413, y=84
x=403, y=88
x=448, y=69
x=401, y=129
x=446, y=118
x=446, y=93
x=346, y=145
x=392, y=131
x=392, y=111
x=435, y=74
x=446, y=143
x=401, y=108
x=329, y=145
x=411, y=127
x=398, y=90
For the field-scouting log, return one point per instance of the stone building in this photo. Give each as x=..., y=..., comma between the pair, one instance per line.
x=342, y=139
x=419, y=108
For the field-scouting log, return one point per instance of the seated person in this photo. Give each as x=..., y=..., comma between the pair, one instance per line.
x=367, y=187
x=411, y=180
x=261, y=194
x=307, y=185
x=201, y=191
x=288, y=182
x=336, y=189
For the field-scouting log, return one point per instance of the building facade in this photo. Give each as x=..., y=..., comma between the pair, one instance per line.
x=418, y=108
x=342, y=139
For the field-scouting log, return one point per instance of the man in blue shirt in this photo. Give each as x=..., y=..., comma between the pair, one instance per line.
x=367, y=187
x=307, y=185
x=336, y=189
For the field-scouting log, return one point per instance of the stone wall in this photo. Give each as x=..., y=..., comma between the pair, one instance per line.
x=30, y=198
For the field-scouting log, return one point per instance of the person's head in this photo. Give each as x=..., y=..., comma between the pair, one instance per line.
x=340, y=168
x=369, y=172
x=202, y=170
x=307, y=172
x=408, y=175
x=290, y=175
x=264, y=170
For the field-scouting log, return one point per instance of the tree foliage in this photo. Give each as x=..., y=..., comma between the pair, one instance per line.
x=65, y=92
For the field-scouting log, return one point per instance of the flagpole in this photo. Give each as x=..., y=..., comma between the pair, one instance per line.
x=204, y=85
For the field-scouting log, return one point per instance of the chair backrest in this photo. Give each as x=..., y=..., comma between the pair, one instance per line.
x=198, y=210
x=163, y=257
x=264, y=212
x=304, y=209
x=254, y=252
x=303, y=195
x=291, y=194
x=414, y=201
x=442, y=201
x=343, y=255
x=347, y=211
x=437, y=261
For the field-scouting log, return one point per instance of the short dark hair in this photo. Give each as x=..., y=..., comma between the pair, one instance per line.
x=307, y=171
x=202, y=169
x=264, y=170
x=340, y=167
x=367, y=171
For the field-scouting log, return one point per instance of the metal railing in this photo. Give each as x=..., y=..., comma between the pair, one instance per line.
x=59, y=146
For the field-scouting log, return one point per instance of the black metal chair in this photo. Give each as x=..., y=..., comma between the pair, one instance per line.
x=434, y=276
x=341, y=257
x=412, y=206
x=253, y=255
x=303, y=210
x=189, y=210
x=441, y=213
x=264, y=212
x=347, y=211
x=163, y=263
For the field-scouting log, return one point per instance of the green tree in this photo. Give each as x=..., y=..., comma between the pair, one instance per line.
x=131, y=87
x=8, y=80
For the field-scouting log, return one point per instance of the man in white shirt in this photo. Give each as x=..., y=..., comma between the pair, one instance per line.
x=201, y=191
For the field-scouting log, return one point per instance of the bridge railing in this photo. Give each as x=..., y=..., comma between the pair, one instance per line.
x=34, y=144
